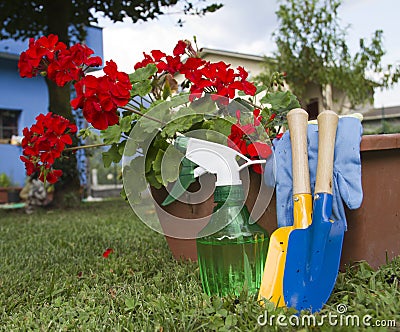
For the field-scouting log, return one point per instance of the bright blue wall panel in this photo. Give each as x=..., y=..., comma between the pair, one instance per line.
x=28, y=95
x=20, y=94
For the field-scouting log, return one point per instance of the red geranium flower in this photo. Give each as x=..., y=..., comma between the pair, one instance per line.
x=259, y=149
x=180, y=48
x=69, y=65
x=44, y=142
x=49, y=56
x=100, y=97
x=30, y=62
x=147, y=60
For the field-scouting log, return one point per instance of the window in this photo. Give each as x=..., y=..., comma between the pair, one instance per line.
x=312, y=109
x=8, y=123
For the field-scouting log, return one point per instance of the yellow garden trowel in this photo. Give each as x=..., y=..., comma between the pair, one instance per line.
x=271, y=288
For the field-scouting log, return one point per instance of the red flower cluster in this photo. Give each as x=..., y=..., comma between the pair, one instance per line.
x=217, y=78
x=204, y=76
x=31, y=61
x=49, y=56
x=164, y=62
x=100, y=97
x=240, y=140
x=70, y=63
x=44, y=142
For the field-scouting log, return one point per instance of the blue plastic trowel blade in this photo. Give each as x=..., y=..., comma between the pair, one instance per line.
x=313, y=259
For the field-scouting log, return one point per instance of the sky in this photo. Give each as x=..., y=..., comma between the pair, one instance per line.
x=247, y=27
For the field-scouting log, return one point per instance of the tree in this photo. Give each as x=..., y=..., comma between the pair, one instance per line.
x=22, y=19
x=312, y=49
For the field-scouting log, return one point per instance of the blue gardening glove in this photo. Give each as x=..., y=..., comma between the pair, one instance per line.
x=347, y=187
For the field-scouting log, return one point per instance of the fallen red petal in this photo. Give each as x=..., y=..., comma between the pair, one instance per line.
x=107, y=252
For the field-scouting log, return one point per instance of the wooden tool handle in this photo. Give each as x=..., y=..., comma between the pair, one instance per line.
x=298, y=121
x=327, y=125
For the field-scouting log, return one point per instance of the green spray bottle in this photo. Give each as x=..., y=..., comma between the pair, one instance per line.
x=231, y=248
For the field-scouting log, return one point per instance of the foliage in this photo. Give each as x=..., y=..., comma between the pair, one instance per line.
x=5, y=180
x=54, y=277
x=312, y=49
x=77, y=15
x=386, y=127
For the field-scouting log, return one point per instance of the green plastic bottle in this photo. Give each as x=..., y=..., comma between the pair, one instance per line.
x=232, y=259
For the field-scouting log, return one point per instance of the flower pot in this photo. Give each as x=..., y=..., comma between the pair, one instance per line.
x=373, y=232
x=3, y=195
x=200, y=213
x=374, y=229
x=196, y=216
x=13, y=195
x=9, y=195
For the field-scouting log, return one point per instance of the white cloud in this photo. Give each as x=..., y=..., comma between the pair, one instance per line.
x=247, y=26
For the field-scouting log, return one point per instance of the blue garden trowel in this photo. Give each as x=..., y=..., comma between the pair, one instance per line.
x=313, y=254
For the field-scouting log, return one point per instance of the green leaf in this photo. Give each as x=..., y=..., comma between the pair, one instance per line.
x=245, y=104
x=112, y=155
x=130, y=148
x=123, y=193
x=157, y=161
x=260, y=88
x=222, y=312
x=223, y=125
x=167, y=90
x=148, y=126
x=170, y=165
x=219, y=131
x=230, y=321
x=130, y=304
x=183, y=121
x=135, y=181
x=126, y=124
x=85, y=133
x=152, y=180
x=150, y=157
x=121, y=147
x=281, y=101
x=111, y=135
x=143, y=74
x=142, y=88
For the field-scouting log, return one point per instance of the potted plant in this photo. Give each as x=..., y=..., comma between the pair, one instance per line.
x=140, y=114
x=9, y=191
x=5, y=183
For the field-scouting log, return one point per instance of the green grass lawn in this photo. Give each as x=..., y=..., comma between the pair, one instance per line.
x=53, y=277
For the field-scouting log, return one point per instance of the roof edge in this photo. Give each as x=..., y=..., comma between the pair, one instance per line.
x=259, y=58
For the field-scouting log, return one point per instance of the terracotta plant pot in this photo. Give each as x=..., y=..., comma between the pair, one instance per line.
x=373, y=232
x=10, y=195
x=183, y=247
x=3, y=195
x=374, y=229
x=197, y=215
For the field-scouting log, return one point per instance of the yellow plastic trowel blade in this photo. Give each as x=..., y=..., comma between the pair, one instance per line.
x=271, y=288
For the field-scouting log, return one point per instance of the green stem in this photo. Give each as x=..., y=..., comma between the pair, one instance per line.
x=142, y=114
x=73, y=148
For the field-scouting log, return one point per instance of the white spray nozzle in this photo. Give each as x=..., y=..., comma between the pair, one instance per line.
x=215, y=158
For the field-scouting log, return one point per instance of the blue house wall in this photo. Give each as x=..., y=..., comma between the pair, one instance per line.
x=29, y=96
